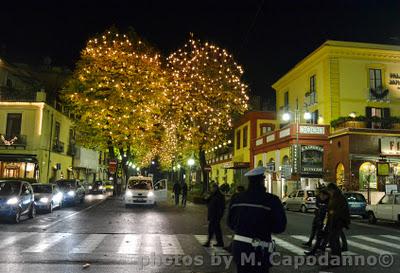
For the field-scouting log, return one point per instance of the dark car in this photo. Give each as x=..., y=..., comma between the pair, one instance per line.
x=73, y=192
x=97, y=187
x=16, y=199
x=357, y=203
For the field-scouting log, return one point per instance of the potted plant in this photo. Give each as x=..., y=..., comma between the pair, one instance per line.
x=349, y=122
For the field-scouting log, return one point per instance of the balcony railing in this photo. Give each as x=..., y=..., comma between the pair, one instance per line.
x=310, y=98
x=12, y=94
x=12, y=142
x=58, y=146
x=378, y=94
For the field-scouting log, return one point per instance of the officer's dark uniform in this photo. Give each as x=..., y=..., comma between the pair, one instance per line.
x=254, y=215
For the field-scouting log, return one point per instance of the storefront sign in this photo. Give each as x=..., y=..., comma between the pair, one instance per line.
x=312, y=160
x=390, y=146
x=395, y=80
x=286, y=171
x=295, y=156
x=312, y=130
x=284, y=133
x=112, y=166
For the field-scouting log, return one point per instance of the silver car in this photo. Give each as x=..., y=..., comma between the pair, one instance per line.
x=47, y=197
x=300, y=200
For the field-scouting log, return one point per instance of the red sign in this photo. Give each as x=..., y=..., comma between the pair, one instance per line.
x=112, y=166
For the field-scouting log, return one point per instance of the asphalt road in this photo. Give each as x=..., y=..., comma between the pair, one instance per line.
x=102, y=235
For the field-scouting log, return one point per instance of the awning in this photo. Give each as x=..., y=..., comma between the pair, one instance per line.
x=18, y=158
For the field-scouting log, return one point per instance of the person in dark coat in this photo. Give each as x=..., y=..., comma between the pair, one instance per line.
x=254, y=215
x=184, y=194
x=216, y=207
x=316, y=224
x=177, y=191
x=338, y=217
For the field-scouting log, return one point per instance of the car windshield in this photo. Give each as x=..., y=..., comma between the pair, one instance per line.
x=66, y=184
x=310, y=193
x=42, y=188
x=9, y=188
x=139, y=185
x=354, y=197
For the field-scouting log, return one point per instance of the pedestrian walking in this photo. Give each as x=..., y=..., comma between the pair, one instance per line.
x=318, y=230
x=254, y=215
x=184, y=194
x=216, y=207
x=177, y=191
x=338, y=218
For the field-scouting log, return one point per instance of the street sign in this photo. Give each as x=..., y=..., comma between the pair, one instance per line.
x=286, y=171
x=112, y=166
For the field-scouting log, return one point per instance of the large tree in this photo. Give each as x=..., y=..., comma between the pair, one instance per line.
x=206, y=92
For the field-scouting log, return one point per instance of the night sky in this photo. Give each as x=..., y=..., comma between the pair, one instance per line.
x=266, y=37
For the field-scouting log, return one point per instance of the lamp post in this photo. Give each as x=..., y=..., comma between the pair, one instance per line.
x=190, y=164
x=286, y=116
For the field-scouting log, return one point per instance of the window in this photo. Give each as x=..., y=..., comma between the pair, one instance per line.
x=286, y=100
x=245, y=133
x=387, y=200
x=57, y=132
x=238, y=139
x=13, y=125
x=300, y=194
x=265, y=129
x=375, y=79
x=376, y=112
x=312, y=83
x=314, y=117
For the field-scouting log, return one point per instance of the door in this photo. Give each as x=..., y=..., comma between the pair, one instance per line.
x=384, y=209
x=160, y=190
x=291, y=199
x=299, y=200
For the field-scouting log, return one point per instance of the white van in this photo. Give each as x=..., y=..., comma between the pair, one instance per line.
x=141, y=191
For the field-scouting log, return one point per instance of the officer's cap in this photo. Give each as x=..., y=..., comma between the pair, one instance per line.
x=256, y=171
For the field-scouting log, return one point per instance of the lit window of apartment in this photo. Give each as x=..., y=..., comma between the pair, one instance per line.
x=375, y=79
x=245, y=132
x=265, y=128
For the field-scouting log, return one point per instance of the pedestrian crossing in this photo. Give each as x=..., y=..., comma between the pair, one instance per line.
x=166, y=244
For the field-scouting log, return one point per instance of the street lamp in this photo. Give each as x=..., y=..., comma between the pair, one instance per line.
x=190, y=163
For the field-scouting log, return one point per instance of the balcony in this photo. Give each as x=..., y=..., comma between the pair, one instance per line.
x=379, y=95
x=58, y=146
x=12, y=142
x=310, y=98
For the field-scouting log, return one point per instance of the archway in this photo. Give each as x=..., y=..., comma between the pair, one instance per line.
x=367, y=176
x=260, y=163
x=340, y=175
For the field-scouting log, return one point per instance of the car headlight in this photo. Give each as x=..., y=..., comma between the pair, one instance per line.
x=150, y=194
x=101, y=187
x=129, y=194
x=90, y=187
x=58, y=197
x=12, y=201
x=112, y=187
x=71, y=193
x=44, y=200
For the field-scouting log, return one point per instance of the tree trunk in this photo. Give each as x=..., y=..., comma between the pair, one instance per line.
x=203, y=164
x=124, y=166
x=114, y=176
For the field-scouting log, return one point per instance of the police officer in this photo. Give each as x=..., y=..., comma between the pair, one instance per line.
x=254, y=215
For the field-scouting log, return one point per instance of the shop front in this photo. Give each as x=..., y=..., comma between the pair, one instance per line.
x=14, y=166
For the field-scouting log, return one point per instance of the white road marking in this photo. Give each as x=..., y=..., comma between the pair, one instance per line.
x=292, y=248
x=369, y=248
x=305, y=239
x=379, y=242
x=170, y=245
x=397, y=238
x=214, y=251
x=47, y=242
x=12, y=239
x=89, y=244
x=130, y=244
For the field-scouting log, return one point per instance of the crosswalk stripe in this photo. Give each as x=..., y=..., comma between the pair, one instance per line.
x=214, y=251
x=397, y=238
x=130, y=244
x=305, y=239
x=369, y=248
x=89, y=244
x=376, y=241
x=288, y=246
x=47, y=242
x=170, y=245
x=15, y=238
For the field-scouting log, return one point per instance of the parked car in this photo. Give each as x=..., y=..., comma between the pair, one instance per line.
x=141, y=191
x=357, y=203
x=16, y=199
x=388, y=209
x=72, y=190
x=47, y=197
x=109, y=186
x=97, y=187
x=300, y=200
